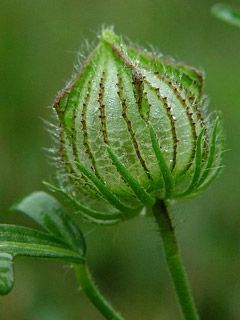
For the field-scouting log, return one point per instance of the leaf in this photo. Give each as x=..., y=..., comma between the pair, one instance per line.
x=227, y=13
x=6, y=273
x=22, y=241
x=16, y=233
x=63, y=240
x=48, y=212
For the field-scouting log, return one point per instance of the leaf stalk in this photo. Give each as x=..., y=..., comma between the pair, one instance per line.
x=87, y=284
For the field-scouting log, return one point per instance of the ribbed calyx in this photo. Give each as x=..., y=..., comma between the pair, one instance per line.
x=132, y=129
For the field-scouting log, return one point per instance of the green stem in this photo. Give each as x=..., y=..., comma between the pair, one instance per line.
x=174, y=262
x=86, y=282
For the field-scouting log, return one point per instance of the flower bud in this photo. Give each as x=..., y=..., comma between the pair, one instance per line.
x=132, y=129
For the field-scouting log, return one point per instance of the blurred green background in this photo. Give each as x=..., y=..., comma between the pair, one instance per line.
x=38, y=45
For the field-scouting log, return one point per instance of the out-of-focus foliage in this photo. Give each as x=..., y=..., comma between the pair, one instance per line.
x=38, y=43
x=63, y=240
x=227, y=13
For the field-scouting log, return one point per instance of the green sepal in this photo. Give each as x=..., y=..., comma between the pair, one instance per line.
x=211, y=154
x=91, y=215
x=166, y=173
x=197, y=169
x=104, y=190
x=190, y=77
x=139, y=191
x=109, y=152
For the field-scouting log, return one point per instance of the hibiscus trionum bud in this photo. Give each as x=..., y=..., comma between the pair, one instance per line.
x=133, y=128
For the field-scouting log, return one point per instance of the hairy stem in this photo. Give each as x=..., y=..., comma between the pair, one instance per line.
x=87, y=284
x=174, y=262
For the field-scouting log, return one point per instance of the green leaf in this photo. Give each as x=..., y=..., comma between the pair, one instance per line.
x=14, y=233
x=63, y=240
x=22, y=241
x=51, y=215
x=227, y=13
x=6, y=273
